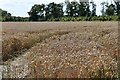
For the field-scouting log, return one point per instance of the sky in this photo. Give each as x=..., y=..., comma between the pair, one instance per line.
x=21, y=7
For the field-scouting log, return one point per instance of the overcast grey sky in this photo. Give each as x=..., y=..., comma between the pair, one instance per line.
x=21, y=7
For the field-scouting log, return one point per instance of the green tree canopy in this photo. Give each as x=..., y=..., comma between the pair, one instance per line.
x=53, y=10
x=4, y=13
x=93, y=12
x=110, y=11
x=117, y=3
x=36, y=12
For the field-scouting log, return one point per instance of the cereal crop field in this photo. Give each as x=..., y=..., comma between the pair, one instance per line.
x=60, y=49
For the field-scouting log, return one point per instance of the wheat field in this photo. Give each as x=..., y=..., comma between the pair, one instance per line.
x=60, y=49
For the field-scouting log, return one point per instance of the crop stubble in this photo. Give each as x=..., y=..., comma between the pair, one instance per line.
x=70, y=50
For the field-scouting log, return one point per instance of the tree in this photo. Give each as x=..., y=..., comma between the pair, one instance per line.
x=59, y=10
x=93, y=12
x=103, y=4
x=36, y=13
x=68, y=8
x=4, y=13
x=117, y=3
x=84, y=9
x=74, y=9
x=53, y=10
x=87, y=9
x=110, y=11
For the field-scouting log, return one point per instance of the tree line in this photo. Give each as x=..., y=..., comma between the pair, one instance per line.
x=74, y=11
x=6, y=16
x=52, y=10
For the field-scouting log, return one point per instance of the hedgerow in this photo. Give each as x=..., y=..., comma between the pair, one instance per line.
x=85, y=18
x=94, y=18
